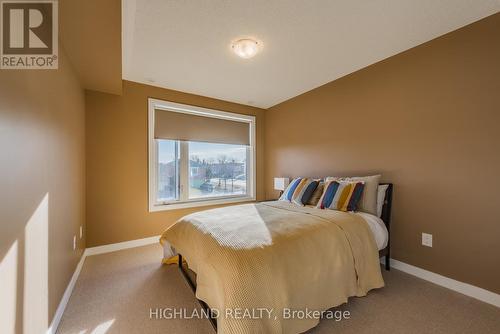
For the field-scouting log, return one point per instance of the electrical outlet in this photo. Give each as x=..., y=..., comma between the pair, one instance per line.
x=427, y=239
x=81, y=231
x=74, y=242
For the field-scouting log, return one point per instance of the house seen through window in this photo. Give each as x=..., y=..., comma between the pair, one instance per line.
x=215, y=170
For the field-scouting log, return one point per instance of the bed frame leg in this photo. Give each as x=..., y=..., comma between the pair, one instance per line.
x=192, y=285
x=387, y=262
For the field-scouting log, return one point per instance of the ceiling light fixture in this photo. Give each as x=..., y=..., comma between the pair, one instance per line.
x=245, y=48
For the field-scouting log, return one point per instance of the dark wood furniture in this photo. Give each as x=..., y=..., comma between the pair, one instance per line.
x=386, y=217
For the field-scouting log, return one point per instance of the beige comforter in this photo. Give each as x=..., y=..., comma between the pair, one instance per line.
x=277, y=256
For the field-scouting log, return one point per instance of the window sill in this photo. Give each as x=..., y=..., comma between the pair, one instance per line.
x=194, y=204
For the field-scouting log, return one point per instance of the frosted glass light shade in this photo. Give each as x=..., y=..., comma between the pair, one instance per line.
x=245, y=48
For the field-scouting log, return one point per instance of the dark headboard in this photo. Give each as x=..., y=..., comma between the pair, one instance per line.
x=386, y=217
x=387, y=207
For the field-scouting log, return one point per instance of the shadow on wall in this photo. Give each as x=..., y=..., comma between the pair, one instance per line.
x=24, y=277
x=24, y=307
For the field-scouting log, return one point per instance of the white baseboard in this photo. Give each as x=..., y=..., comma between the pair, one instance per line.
x=64, y=300
x=461, y=287
x=89, y=252
x=122, y=245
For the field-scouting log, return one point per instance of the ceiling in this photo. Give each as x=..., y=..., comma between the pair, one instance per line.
x=185, y=45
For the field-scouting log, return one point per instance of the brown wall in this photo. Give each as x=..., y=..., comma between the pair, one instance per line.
x=117, y=162
x=428, y=120
x=41, y=191
x=91, y=32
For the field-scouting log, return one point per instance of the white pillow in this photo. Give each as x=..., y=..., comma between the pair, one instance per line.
x=381, y=198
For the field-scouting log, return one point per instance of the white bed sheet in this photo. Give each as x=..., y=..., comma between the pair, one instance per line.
x=378, y=229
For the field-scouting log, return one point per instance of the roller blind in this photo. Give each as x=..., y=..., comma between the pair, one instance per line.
x=179, y=126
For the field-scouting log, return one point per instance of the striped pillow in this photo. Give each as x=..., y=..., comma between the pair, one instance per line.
x=299, y=191
x=341, y=195
x=316, y=195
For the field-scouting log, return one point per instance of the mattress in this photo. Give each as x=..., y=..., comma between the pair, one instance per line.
x=378, y=228
x=278, y=256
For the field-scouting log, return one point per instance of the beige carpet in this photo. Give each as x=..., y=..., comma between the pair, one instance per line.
x=115, y=292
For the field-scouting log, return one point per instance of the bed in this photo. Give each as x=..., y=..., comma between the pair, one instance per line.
x=279, y=257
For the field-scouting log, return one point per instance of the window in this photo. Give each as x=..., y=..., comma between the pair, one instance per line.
x=168, y=171
x=199, y=156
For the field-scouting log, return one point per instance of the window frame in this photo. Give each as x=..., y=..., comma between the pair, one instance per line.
x=184, y=201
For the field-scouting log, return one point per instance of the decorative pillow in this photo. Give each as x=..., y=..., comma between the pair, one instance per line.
x=381, y=198
x=368, y=202
x=316, y=194
x=341, y=195
x=299, y=191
